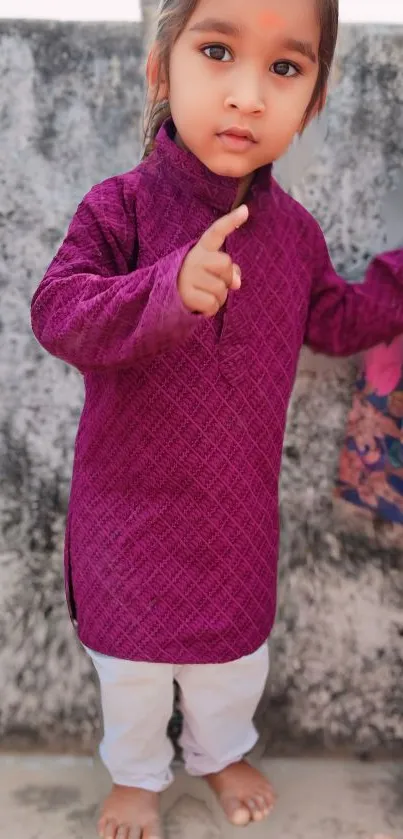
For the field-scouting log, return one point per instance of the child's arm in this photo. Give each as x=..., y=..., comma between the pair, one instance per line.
x=92, y=309
x=344, y=319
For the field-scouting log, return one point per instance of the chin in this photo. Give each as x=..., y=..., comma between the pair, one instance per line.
x=230, y=168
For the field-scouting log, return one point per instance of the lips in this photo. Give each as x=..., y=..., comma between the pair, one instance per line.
x=237, y=140
x=240, y=133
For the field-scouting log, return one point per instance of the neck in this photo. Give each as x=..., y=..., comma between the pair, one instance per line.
x=243, y=187
x=244, y=183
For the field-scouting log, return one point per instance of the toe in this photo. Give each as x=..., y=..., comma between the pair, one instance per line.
x=153, y=831
x=268, y=795
x=123, y=832
x=110, y=829
x=237, y=812
x=270, y=799
x=256, y=809
x=264, y=804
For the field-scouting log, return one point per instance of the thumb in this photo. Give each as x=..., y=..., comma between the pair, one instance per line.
x=214, y=238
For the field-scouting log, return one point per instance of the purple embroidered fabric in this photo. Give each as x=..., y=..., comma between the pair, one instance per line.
x=172, y=535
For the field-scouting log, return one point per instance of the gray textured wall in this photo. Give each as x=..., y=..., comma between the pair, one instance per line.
x=70, y=113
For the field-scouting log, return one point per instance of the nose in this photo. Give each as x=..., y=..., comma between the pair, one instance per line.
x=246, y=93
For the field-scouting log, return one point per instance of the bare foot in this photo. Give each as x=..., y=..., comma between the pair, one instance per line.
x=244, y=793
x=130, y=813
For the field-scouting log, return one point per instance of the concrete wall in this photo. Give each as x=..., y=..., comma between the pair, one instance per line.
x=70, y=113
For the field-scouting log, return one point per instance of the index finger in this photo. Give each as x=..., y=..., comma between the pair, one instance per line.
x=214, y=238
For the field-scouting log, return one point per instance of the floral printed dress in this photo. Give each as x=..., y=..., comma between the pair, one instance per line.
x=371, y=461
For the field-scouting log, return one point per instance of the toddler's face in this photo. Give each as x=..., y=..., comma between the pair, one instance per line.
x=244, y=66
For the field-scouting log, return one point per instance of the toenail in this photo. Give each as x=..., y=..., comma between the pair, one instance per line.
x=260, y=802
x=241, y=817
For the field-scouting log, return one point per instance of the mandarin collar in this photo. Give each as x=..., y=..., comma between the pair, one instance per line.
x=188, y=172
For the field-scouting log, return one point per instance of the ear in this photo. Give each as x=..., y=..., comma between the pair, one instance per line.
x=157, y=86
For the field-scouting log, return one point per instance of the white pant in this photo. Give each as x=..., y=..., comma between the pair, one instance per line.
x=218, y=703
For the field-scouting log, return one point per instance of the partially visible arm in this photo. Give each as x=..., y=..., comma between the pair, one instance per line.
x=92, y=309
x=344, y=319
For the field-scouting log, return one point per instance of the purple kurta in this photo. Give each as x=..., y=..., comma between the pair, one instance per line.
x=172, y=536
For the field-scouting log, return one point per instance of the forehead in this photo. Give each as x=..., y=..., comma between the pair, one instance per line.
x=289, y=18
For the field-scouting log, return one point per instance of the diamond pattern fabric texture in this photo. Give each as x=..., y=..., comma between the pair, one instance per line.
x=172, y=531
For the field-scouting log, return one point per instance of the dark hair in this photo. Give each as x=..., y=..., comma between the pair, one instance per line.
x=172, y=17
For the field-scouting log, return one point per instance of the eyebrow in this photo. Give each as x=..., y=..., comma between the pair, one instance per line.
x=210, y=24
x=303, y=47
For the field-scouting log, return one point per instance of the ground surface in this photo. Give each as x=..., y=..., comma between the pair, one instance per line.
x=57, y=798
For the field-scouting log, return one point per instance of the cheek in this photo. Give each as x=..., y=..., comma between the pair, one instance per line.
x=184, y=86
x=289, y=110
x=292, y=103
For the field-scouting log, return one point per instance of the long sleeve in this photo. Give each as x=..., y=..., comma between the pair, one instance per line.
x=93, y=309
x=344, y=318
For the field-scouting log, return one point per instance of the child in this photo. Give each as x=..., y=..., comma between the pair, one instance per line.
x=186, y=310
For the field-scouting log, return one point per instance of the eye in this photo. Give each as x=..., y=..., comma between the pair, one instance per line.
x=217, y=52
x=285, y=69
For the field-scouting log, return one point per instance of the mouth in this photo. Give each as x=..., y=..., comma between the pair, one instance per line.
x=237, y=139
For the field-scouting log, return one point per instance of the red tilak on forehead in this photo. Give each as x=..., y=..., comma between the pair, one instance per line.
x=270, y=20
